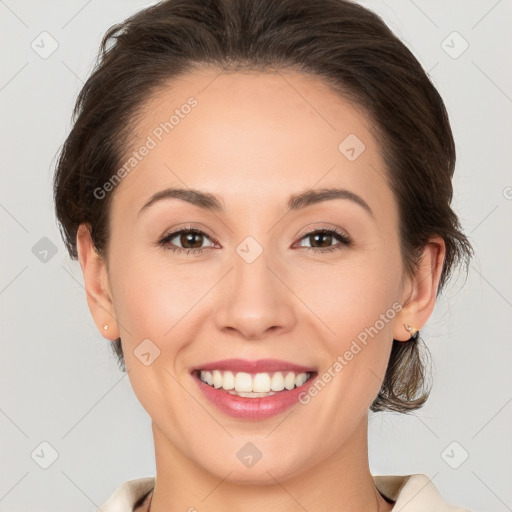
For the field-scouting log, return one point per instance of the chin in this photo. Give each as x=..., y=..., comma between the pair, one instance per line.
x=246, y=466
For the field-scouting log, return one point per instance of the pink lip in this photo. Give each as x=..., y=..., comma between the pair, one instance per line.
x=259, y=366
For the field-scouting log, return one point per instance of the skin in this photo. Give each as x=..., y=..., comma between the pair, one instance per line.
x=253, y=140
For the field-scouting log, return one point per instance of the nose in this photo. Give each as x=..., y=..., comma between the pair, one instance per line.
x=254, y=300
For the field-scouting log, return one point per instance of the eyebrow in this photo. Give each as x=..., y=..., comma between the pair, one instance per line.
x=298, y=201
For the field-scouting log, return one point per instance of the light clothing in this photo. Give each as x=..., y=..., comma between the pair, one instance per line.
x=411, y=493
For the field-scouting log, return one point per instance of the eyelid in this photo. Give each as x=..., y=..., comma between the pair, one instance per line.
x=188, y=227
x=309, y=229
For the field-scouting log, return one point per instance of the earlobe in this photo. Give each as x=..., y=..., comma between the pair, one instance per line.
x=424, y=284
x=99, y=297
x=412, y=331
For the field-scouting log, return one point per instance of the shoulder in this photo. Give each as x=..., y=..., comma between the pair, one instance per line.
x=413, y=493
x=124, y=498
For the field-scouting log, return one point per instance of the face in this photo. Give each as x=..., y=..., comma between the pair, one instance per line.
x=315, y=284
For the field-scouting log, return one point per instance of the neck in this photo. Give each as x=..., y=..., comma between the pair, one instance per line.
x=342, y=482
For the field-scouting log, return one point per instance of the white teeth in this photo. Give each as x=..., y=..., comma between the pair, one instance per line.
x=251, y=395
x=301, y=378
x=289, y=380
x=217, y=379
x=277, y=383
x=228, y=381
x=208, y=377
x=259, y=384
x=243, y=382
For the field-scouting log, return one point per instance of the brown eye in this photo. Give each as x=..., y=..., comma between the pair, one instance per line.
x=322, y=240
x=191, y=239
x=187, y=240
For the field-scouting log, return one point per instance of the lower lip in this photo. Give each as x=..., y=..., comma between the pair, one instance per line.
x=252, y=408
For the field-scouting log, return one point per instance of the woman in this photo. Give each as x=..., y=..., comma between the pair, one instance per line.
x=259, y=197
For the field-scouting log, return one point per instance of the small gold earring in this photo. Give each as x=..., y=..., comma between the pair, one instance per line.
x=105, y=327
x=414, y=332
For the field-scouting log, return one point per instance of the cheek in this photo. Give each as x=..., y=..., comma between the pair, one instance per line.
x=351, y=296
x=155, y=305
x=358, y=304
x=153, y=296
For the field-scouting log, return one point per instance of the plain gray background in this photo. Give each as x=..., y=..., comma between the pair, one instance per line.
x=61, y=385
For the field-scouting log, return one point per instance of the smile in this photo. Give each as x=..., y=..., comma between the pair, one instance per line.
x=253, y=390
x=253, y=385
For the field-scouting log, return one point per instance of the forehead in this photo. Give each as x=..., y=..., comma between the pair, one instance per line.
x=247, y=135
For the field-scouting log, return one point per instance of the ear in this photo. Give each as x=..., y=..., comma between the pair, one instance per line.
x=97, y=286
x=420, y=290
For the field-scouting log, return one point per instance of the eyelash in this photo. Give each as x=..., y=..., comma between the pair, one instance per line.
x=345, y=241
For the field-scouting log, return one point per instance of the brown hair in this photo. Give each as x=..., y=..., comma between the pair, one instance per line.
x=338, y=41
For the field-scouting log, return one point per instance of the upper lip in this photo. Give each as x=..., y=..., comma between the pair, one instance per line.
x=258, y=366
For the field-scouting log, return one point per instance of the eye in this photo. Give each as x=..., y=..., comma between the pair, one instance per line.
x=192, y=239
x=323, y=237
